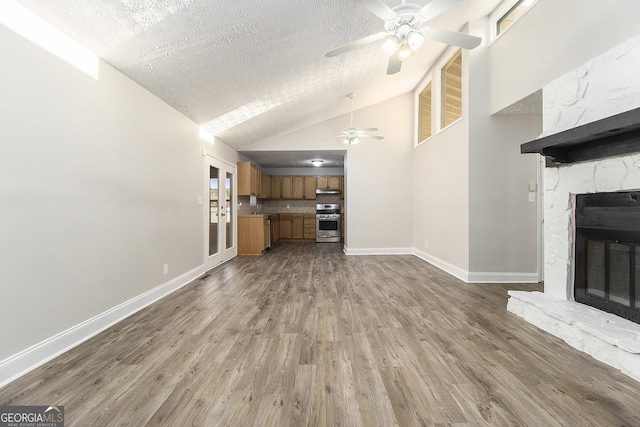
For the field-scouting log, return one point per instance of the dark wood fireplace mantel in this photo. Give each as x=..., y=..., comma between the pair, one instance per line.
x=612, y=136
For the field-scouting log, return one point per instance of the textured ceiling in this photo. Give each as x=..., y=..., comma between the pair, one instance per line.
x=249, y=70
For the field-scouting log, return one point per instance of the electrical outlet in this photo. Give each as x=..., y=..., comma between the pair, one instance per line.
x=426, y=244
x=200, y=200
x=166, y=269
x=288, y=206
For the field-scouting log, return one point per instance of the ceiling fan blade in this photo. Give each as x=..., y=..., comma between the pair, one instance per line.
x=435, y=8
x=453, y=38
x=370, y=136
x=369, y=130
x=378, y=8
x=356, y=44
x=394, y=64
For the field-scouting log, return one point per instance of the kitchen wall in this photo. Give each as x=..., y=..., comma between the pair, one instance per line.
x=554, y=38
x=99, y=186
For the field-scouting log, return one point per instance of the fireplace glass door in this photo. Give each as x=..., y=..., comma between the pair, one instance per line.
x=607, y=274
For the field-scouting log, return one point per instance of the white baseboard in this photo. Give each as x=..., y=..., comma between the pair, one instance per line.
x=477, y=277
x=379, y=251
x=21, y=363
x=443, y=265
x=503, y=277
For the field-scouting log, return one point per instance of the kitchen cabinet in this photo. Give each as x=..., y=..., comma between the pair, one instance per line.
x=331, y=182
x=252, y=234
x=342, y=187
x=309, y=187
x=276, y=187
x=249, y=179
x=286, y=187
x=297, y=226
x=286, y=226
x=309, y=226
x=275, y=228
x=297, y=187
x=265, y=186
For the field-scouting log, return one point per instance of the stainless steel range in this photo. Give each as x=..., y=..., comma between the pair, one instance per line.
x=328, y=223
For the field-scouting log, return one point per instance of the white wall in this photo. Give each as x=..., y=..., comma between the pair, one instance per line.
x=471, y=211
x=99, y=182
x=502, y=221
x=552, y=39
x=378, y=180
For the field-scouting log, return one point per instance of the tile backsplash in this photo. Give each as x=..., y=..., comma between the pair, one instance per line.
x=280, y=205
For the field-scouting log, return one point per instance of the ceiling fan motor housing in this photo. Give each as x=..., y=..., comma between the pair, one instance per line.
x=405, y=14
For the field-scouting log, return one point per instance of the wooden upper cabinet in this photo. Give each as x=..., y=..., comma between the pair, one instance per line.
x=309, y=187
x=249, y=179
x=342, y=188
x=331, y=182
x=276, y=187
x=256, y=179
x=334, y=182
x=297, y=187
x=265, y=185
x=286, y=187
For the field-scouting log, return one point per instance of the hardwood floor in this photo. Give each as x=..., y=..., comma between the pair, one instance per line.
x=306, y=336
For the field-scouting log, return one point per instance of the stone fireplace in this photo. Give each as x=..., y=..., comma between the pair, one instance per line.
x=591, y=143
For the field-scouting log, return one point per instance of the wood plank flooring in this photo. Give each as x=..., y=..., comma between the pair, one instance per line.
x=306, y=336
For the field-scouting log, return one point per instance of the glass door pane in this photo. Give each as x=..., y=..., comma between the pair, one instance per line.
x=214, y=190
x=228, y=198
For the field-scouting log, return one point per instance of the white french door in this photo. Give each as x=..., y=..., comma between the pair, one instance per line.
x=220, y=212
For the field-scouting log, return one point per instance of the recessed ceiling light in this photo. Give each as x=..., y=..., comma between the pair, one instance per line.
x=317, y=162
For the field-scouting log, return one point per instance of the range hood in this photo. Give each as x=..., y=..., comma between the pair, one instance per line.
x=326, y=191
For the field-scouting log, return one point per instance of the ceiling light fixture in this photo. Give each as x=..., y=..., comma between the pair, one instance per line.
x=317, y=163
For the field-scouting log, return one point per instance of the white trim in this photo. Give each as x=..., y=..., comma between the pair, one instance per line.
x=443, y=265
x=29, y=359
x=378, y=251
x=477, y=277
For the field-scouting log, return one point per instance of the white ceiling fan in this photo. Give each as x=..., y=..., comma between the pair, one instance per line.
x=352, y=135
x=406, y=27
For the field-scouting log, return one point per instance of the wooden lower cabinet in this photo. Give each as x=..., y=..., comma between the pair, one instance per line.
x=252, y=234
x=275, y=228
x=297, y=226
x=285, y=226
x=309, y=226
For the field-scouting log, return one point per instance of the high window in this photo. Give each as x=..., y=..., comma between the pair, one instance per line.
x=451, y=90
x=424, y=119
x=513, y=14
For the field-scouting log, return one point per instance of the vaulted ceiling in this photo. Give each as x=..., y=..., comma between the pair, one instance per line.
x=249, y=70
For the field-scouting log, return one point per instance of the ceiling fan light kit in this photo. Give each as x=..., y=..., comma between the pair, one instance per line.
x=406, y=30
